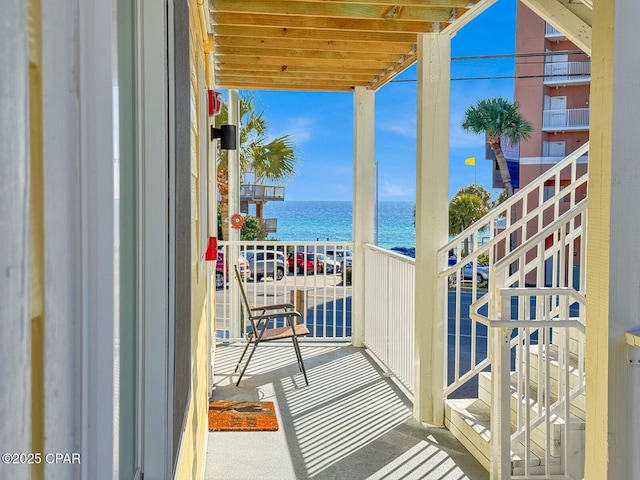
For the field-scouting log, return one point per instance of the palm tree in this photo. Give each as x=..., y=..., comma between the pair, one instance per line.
x=498, y=117
x=272, y=160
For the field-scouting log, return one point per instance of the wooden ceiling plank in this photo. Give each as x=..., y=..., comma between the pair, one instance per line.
x=222, y=59
x=403, y=3
x=284, y=21
x=249, y=85
x=293, y=81
x=302, y=33
x=306, y=44
x=347, y=76
x=335, y=10
x=312, y=54
x=250, y=67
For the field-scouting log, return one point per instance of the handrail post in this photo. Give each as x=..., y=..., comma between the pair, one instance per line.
x=500, y=397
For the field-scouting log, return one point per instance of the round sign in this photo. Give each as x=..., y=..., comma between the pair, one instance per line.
x=236, y=221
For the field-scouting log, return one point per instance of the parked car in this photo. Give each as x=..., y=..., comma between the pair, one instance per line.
x=407, y=251
x=482, y=273
x=343, y=257
x=222, y=269
x=330, y=266
x=305, y=262
x=265, y=263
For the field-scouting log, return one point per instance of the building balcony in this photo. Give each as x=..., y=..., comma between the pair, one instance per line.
x=553, y=34
x=269, y=225
x=566, y=120
x=567, y=73
x=261, y=193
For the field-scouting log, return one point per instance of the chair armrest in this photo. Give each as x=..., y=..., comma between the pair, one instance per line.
x=271, y=316
x=282, y=306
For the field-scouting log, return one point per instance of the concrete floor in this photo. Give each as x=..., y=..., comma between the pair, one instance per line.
x=350, y=423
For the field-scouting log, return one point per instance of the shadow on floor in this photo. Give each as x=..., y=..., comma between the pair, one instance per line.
x=350, y=423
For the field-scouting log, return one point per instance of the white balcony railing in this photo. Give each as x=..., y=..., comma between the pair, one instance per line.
x=574, y=119
x=553, y=33
x=322, y=295
x=390, y=312
x=567, y=73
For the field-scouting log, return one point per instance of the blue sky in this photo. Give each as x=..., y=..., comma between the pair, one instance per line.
x=321, y=124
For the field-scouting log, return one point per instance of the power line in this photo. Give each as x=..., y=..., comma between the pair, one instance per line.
x=505, y=77
x=520, y=55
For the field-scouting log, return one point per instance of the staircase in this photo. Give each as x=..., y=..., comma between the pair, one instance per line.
x=515, y=386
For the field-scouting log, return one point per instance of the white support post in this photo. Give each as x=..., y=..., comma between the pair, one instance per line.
x=234, y=208
x=432, y=222
x=613, y=296
x=363, y=201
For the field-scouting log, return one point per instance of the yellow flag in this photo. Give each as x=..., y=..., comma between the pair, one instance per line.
x=470, y=161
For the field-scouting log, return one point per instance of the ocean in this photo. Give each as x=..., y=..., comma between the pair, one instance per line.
x=332, y=221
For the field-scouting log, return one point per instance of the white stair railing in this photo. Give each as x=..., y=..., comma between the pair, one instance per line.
x=509, y=244
x=535, y=332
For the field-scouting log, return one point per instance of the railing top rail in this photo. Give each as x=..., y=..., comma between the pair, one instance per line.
x=562, y=219
x=390, y=253
x=536, y=291
x=489, y=217
x=223, y=243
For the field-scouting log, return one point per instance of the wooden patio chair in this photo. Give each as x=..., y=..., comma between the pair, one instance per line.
x=260, y=318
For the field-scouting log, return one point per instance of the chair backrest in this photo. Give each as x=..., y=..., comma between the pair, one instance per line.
x=244, y=295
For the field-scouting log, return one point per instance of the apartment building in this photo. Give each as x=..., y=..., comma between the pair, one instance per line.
x=552, y=88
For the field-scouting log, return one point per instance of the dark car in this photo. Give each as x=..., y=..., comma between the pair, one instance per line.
x=407, y=251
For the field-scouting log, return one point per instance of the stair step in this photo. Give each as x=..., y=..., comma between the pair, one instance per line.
x=539, y=434
x=469, y=421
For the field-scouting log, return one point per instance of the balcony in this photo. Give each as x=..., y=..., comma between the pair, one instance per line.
x=351, y=422
x=566, y=120
x=553, y=34
x=269, y=225
x=261, y=193
x=567, y=73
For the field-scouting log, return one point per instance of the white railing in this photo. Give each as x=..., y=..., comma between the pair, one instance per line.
x=567, y=119
x=322, y=294
x=538, y=381
x=562, y=72
x=552, y=32
x=389, y=311
x=536, y=258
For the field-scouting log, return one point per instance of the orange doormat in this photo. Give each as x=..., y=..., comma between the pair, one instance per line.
x=236, y=416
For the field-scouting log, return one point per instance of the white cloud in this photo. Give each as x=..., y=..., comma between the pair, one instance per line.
x=298, y=128
x=390, y=189
x=403, y=128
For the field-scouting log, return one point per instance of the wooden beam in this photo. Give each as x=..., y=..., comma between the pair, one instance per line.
x=284, y=21
x=282, y=80
x=563, y=19
x=402, y=3
x=289, y=87
x=306, y=44
x=276, y=67
x=387, y=76
x=347, y=76
x=256, y=60
x=311, y=54
x=335, y=10
x=302, y=33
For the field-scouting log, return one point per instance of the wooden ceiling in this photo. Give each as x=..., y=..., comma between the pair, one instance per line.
x=326, y=45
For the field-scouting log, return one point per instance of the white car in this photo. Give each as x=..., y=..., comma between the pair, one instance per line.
x=330, y=265
x=343, y=257
x=265, y=263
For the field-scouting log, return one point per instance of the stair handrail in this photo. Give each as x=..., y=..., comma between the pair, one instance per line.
x=502, y=439
x=497, y=211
